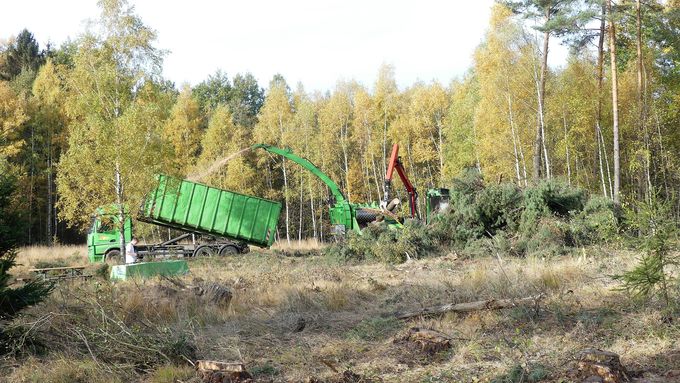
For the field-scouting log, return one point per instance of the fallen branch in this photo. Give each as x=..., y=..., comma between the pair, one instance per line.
x=489, y=304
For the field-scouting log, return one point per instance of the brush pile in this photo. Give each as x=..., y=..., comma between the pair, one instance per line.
x=546, y=219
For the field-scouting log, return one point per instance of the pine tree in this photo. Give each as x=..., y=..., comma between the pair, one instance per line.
x=556, y=17
x=13, y=300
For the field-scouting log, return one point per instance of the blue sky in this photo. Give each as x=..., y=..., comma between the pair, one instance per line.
x=312, y=42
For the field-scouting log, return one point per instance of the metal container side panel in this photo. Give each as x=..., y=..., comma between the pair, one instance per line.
x=166, y=198
x=267, y=218
x=187, y=194
x=195, y=207
x=238, y=205
x=249, y=219
x=231, y=214
x=210, y=206
x=224, y=212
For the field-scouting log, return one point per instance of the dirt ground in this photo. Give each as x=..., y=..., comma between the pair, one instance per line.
x=297, y=319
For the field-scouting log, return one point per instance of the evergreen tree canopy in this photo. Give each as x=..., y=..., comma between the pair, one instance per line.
x=23, y=54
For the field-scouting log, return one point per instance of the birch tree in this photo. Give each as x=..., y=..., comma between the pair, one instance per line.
x=275, y=120
x=114, y=145
x=183, y=131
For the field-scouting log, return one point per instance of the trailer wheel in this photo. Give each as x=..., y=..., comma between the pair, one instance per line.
x=113, y=256
x=204, y=251
x=227, y=250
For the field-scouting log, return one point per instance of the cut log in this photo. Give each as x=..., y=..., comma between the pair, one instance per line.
x=213, y=365
x=489, y=304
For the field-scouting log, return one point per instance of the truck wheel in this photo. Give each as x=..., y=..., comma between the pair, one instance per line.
x=113, y=256
x=204, y=251
x=227, y=250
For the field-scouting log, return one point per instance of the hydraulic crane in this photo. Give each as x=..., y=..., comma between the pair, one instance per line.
x=396, y=164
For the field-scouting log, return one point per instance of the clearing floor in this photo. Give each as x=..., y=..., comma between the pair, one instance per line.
x=297, y=319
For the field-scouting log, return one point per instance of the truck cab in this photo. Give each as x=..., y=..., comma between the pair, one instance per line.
x=103, y=238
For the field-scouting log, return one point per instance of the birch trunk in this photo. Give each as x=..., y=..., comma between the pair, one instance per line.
x=615, y=104
x=541, y=96
x=641, y=99
x=343, y=139
x=121, y=211
x=50, y=200
x=285, y=184
x=300, y=211
x=313, y=211
x=566, y=145
x=514, y=140
x=601, y=150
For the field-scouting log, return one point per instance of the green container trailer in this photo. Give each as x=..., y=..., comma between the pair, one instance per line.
x=218, y=222
x=199, y=208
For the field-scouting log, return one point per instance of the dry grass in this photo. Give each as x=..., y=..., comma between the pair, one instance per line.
x=348, y=315
x=71, y=255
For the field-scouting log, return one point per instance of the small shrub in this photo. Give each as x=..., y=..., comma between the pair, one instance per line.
x=499, y=207
x=654, y=226
x=549, y=238
x=13, y=300
x=597, y=223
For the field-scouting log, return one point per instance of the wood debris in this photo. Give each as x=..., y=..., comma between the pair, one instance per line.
x=489, y=304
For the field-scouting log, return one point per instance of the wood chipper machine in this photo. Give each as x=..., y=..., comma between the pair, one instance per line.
x=346, y=216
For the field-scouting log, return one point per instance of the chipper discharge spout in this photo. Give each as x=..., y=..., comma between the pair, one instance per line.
x=344, y=215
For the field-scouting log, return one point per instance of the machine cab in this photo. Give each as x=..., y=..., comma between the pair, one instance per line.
x=437, y=201
x=104, y=234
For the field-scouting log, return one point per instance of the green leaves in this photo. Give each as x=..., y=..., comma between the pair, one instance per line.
x=115, y=118
x=652, y=225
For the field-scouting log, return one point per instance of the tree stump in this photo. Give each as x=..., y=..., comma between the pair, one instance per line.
x=428, y=341
x=211, y=371
x=601, y=366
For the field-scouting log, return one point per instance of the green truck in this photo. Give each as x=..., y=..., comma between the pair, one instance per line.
x=219, y=222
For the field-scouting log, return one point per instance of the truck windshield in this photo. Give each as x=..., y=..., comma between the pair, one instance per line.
x=106, y=224
x=93, y=222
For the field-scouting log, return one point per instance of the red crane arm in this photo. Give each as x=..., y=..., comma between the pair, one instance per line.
x=395, y=163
